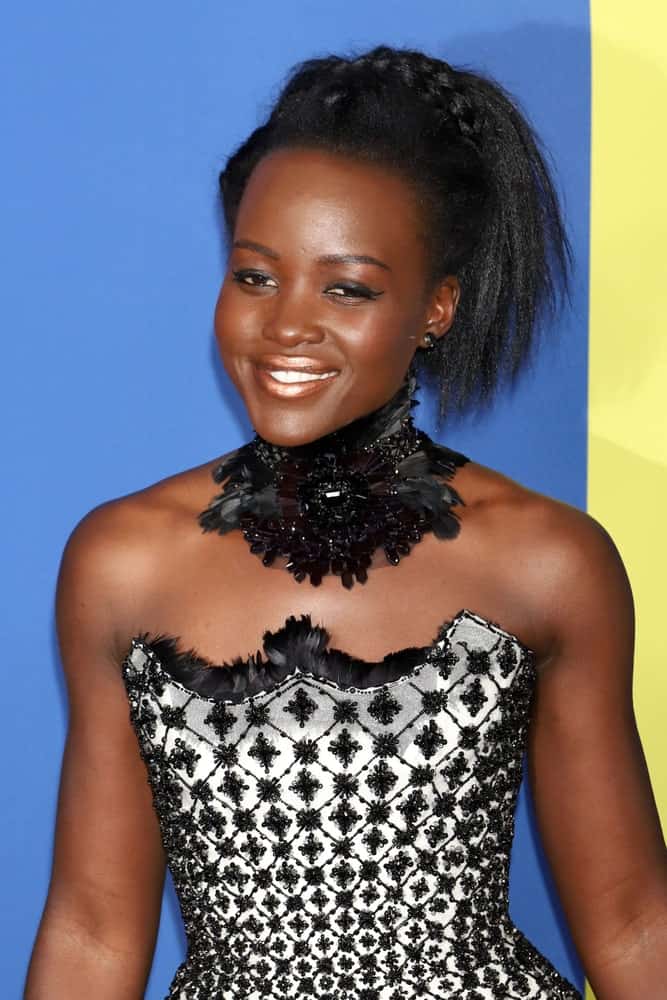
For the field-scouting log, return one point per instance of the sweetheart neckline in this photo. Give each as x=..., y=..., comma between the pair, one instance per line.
x=194, y=654
x=198, y=675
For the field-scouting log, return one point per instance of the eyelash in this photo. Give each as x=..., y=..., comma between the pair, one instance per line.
x=355, y=291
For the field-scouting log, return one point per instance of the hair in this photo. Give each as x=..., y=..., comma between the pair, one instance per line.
x=491, y=213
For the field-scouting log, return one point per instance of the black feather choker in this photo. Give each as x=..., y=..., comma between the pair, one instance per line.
x=327, y=506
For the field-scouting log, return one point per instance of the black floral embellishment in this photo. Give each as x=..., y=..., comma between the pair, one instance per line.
x=225, y=754
x=301, y=706
x=384, y=707
x=257, y=714
x=344, y=816
x=221, y=719
x=325, y=507
x=268, y=790
x=234, y=787
x=345, y=785
x=263, y=751
x=422, y=775
x=174, y=717
x=378, y=813
x=414, y=804
x=309, y=819
x=430, y=739
x=469, y=737
x=479, y=661
x=183, y=756
x=243, y=820
x=434, y=702
x=445, y=661
x=344, y=747
x=306, y=785
x=306, y=751
x=277, y=821
x=474, y=698
x=381, y=779
x=507, y=658
x=346, y=710
x=385, y=744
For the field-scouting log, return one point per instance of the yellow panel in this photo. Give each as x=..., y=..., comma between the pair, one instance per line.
x=627, y=463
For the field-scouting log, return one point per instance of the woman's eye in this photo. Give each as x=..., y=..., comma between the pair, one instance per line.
x=255, y=279
x=353, y=292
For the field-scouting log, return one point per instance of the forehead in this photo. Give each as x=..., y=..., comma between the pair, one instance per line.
x=315, y=196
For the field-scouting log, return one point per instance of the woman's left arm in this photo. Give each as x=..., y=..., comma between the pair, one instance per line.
x=590, y=785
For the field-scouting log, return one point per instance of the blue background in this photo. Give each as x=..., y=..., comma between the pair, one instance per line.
x=116, y=121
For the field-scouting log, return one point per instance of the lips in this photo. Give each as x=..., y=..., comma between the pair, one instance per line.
x=302, y=365
x=289, y=378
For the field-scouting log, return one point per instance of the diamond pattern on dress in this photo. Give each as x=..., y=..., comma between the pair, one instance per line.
x=349, y=842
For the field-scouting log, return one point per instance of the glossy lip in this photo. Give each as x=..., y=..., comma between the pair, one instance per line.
x=293, y=390
x=276, y=362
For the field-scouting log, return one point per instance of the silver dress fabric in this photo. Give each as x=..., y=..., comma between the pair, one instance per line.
x=342, y=829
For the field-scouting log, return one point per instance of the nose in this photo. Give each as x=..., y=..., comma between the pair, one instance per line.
x=291, y=320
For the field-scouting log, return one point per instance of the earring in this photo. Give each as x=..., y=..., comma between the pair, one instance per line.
x=429, y=340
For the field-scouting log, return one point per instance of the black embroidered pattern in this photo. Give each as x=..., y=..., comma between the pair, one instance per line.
x=362, y=854
x=327, y=506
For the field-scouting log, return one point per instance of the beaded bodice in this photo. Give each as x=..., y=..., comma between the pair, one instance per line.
x=340, y=828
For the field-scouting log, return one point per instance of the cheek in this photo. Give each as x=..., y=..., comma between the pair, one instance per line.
x=232, y=322
x=230, y=336
x=385, y=339
x=225, y=311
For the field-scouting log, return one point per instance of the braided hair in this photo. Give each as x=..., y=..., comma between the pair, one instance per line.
x=490, y=210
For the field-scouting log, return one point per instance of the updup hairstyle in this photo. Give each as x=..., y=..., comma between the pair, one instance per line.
x=490, y=210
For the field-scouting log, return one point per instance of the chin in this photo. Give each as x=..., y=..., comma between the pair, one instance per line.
x=291, y=430
x=293, y=422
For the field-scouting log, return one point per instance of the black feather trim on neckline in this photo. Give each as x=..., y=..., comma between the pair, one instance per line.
x=299, y=646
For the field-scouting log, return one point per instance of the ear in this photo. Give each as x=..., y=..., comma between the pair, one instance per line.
x=441, y=306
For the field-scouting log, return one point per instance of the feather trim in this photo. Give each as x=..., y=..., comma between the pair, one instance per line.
x=329, y=505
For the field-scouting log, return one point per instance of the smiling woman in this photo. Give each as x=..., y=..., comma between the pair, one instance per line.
x=337, y=806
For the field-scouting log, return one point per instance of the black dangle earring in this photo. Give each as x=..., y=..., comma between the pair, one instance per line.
x=429, y=340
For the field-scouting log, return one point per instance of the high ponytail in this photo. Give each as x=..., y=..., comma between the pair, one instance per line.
x=491, y=211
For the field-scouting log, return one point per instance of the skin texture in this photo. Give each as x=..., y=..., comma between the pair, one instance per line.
x=545, y=571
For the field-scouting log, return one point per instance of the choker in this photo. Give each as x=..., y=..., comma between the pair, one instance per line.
x=329, y=505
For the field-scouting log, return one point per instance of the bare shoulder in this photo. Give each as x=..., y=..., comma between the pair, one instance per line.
x=543, y=524
x=113, y=556
x=568, y=568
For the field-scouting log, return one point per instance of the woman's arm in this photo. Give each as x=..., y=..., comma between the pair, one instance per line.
x=97, y=933
x=592, y=793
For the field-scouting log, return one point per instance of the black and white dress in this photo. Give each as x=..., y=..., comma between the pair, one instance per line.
x=338, y=828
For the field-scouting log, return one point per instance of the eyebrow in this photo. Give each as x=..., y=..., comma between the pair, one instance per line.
x=329, y=258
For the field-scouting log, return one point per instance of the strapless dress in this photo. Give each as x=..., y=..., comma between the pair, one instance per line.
x=339, y=828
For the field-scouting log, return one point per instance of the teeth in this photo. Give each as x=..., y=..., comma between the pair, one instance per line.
x=293, y=376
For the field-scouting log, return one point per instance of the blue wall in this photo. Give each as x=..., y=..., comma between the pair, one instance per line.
x=117, y=120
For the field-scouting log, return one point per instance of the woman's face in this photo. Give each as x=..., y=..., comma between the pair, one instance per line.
x=327, y=276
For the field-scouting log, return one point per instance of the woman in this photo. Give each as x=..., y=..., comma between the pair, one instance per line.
x=337, y=807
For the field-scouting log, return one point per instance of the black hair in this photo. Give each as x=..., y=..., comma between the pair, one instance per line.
x=491, y=211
